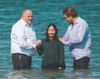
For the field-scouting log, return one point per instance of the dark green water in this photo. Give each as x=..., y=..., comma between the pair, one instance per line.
x=45, y=12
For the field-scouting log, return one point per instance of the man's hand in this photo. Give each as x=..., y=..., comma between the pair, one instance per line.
x=61, y=40
x=38, y=42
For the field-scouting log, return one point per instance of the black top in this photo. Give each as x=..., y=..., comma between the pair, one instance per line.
x=53, y=54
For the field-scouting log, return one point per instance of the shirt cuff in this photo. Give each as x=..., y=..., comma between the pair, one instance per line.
x=34, y=46
x=67, y=43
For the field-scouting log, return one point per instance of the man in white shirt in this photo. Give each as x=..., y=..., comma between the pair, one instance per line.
x=23, y=41
x=77, y=37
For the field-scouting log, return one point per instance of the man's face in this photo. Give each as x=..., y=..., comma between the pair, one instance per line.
x=27, y=16
x=67, y=18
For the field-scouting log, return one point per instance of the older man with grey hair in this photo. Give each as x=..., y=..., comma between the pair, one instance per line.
x=23, y=41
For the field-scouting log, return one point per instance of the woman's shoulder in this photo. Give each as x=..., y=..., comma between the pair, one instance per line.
x=61, y=43
x=44, y=40
x=58, y=42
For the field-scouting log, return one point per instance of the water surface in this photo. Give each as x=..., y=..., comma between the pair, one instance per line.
x=45, y=12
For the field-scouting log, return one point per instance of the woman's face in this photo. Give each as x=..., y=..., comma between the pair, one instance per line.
x=51, y=31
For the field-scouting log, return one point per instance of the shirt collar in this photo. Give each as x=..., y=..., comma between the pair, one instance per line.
x=24, y=22
x=77, y=20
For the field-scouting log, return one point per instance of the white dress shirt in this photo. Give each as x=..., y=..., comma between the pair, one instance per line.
x=77, y=37
x=23, y=38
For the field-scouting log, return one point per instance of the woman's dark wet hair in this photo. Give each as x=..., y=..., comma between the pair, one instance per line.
x=56, y=32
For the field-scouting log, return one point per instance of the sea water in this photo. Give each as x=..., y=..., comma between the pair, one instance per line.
x=44, y=13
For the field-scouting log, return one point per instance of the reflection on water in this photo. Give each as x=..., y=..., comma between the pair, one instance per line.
x=48, y=74
x=81, y=74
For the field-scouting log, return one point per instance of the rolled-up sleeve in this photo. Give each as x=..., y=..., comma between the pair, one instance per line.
x=66, y=38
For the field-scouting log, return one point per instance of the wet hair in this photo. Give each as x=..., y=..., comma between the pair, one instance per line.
x=56, y=32
x=70, y=11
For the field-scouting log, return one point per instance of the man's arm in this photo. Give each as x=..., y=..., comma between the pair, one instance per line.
x=23, y=41
x=78, y=36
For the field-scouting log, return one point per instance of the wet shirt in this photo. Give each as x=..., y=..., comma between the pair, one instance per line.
x=78, y=38
x=23, y=38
